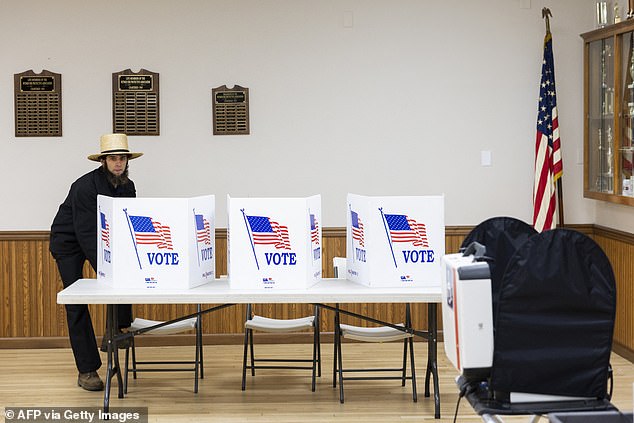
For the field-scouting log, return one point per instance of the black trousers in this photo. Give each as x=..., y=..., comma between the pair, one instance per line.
x=80, y=330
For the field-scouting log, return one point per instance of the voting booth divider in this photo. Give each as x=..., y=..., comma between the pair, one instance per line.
x=274, y=243
x=395, y=241
x=156, y=243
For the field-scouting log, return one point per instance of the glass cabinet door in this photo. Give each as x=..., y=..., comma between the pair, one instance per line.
x=609, y=113
x=601, y=116
x=626, y=142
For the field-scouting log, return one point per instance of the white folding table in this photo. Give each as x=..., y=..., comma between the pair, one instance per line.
x=92, y=291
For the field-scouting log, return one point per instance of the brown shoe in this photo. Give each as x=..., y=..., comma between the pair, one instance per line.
x=90, y=381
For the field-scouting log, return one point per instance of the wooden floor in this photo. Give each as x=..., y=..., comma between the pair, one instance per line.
x=47, y=378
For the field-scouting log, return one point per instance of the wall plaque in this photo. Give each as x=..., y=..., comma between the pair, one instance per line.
x=230, y=110
x=38, y=104
x=135, y=102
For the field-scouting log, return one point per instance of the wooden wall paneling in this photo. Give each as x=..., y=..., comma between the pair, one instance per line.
x=17, y=294
x=619, y=248
x=5, y=309
x=10, y=288
x=32, y=313
x=43, y=293
x=29, y=284
x=221, y=252
x=30, y=277
x=40, y=304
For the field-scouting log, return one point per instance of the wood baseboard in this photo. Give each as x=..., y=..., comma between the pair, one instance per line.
x=166, y=340
x=623, y=351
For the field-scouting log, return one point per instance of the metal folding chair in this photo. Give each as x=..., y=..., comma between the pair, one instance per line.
x=378, y=334
x=265, y=324
x=141, y=326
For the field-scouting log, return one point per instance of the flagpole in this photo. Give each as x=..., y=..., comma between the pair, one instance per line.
x=354, y=254
x=101, y=233
x=388, y=236
x=127, y=218
x=196, y=236
x=546, y=15
x=250, y=239
x=560, y=200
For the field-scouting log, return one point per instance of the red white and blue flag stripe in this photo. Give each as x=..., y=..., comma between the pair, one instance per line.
x=314, y=229
x=268, y=232
x=105, y=230
x=404, y=229
x=548, y=163
x=147, y=231
x=203, y=230
x=357, y=228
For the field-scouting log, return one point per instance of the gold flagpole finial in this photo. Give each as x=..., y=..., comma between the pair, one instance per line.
x=546, y=14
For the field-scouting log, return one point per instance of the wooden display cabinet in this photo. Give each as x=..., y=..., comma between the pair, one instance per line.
x=609, y=113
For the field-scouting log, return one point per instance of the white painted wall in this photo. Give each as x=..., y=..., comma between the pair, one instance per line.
x=403, y=102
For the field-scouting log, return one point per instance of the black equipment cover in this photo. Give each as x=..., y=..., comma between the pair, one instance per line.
x=555, y=318
x=501, y=236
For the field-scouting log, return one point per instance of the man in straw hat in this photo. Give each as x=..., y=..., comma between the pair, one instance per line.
x=74, y=240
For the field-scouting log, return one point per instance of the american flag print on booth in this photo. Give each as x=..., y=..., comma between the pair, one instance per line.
x=357, y=228
x=404, y=229
x=548, y=163
x=147, y=231
x=268, y=232
x=314, y=230
x=105, y=230
x=203, y=230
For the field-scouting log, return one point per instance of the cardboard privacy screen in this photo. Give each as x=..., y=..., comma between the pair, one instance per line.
x=395, y=241
x=156, y=243
x=274, y=243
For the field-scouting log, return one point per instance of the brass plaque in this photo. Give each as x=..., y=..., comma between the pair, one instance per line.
x=136, y=83
x=38, y=104
x=230, y=110
x=135, y=102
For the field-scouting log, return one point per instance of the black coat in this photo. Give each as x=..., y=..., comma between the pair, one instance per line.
x=74, y=229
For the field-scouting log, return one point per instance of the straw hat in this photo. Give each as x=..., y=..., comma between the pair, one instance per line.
x=114, y=144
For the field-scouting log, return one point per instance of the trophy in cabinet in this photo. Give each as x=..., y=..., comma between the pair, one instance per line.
x=604, y=181
x=608, y=91
x=602, y=14
x=609, y=155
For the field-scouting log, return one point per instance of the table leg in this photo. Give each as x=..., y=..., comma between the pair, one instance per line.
x=432, y=356
x=115, y=348
x=112, y=368
x=109, y=368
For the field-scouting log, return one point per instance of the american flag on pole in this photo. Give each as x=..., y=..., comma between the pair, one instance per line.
x=357, y=227
x=404, y=229
x=548, y=164
x=314, y=230
x=105, y=230
x=203, y=230
x=268, y=232
x=147, y=231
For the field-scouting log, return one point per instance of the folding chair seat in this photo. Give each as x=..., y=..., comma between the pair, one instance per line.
x=142, y=326
x=268, y=325
x=378, y=334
